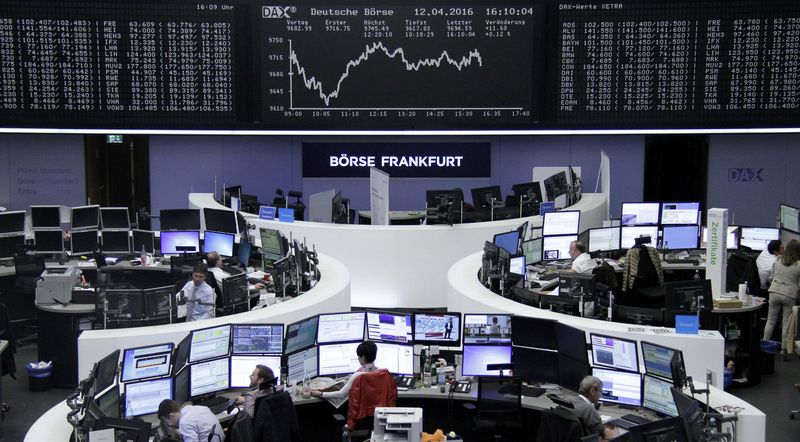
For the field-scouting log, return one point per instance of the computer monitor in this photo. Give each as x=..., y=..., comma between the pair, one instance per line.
x=144, y=239
x=180, y=219
x=628, y=235
x=517, y=266
x=527, y=192
x=732, y=240
x=680, y=237
x=657, y=360
x=434, y=328
x=301, y=334
x=557, y=247
x=789, y=218
x=108, y=402
x=571, y=371
x=45, y=217
x=657, y=396
x=49, y=241
x=146, y=362
x=272, y=245
x=483, y=197
x=85, y=217
x=757, y=238
x=604, y=239
x=576, y=285
x=620, y=387
x=257, y=339
x=532, y=249
x=178, y=242
x=670, y=429
x=125, y=304
x=563, y=222
x=106, y=371
x=115, y=218
x=487, y=328
x=640, y=214
x=124, y=429
x=242, y=367
x=688, y=296
x=181, y=354
x=535, y=364
x=10, y=244
x=12, y=222
x=440, y=198
x=534, y=332
x=556, y=185
x=509, y=241
x=220, y=220
x=690, y=413
x=572, y=342
x=610, y=351
x=244, y=252
x=181, y=385
x=678, y=369
x=397, y=358
x=338, y=359
x=116, y=242
x=477, y=357
x=680, y=213
x=219, y=242
x=83, y=242
x=638, y=315
x=389, y=327
x=209, y=343
x=209, y=377
x=340, y=327
x=301, y=365
x=145, y=396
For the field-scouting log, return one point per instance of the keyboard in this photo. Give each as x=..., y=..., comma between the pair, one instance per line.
x=230, y=270
x=682, y=261
x=635, y=419
x=530, y=391
x=217, y=404
x=547, y=277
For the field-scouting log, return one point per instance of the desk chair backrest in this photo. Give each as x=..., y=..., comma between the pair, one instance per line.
x=559, y=425
x=370, y=390
x=642, y=269
x=28, y=268
x=742, y=268
x=242, y=428
x=276, y=420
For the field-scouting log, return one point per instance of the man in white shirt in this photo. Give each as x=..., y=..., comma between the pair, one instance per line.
x=589, y=393
x=581, y=261
x=194, y=423
x=766, y=261
x=214, y=261
x=199, y=296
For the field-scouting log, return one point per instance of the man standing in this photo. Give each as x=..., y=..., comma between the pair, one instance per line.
x=199, y=296
x=582, y=262
x=766, y=261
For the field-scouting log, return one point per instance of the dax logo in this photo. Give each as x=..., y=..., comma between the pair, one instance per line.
x=745, y=175
x=277, y=11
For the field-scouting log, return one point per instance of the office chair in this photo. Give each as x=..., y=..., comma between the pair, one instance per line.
x=21, y=300
x=643, y=278
x=242, y=428
x=498, y=410
x=558, y=424
x=742, y=268
x=369, y=391
x=275, y=419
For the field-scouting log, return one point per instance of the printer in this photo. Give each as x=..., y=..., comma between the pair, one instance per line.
x=397, y=424
x=55, y=285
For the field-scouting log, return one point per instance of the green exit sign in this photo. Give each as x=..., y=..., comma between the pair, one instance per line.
x=113, y=139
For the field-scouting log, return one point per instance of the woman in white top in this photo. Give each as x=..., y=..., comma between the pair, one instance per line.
x=366, y=352
x=784, y=290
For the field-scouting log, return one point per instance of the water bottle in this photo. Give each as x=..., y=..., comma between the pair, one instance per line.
x=610, y=305
x=434, y=379
x=306, y=386
x=143, y=257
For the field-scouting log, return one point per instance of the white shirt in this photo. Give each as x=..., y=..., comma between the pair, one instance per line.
x=345, y=390
x=197, y=423
x=765, y=263
x=199, y=301
x=583, y=263
x=220, y=274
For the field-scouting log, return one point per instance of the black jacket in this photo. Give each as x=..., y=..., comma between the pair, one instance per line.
x=276, y=419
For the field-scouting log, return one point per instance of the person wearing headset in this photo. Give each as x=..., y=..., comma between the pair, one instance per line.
x=198, y=296
x=195, y=423
x=261, y=375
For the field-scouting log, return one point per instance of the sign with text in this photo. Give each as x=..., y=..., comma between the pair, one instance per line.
x=687, y=324
x=717, y=249
x=286, y=215
x=266, y=212
x=399, y=160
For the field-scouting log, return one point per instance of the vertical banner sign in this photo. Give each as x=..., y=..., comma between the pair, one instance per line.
x=379, y=196
x=716, y=252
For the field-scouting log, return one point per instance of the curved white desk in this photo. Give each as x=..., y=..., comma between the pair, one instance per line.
x=403, y=266
x=330, y=294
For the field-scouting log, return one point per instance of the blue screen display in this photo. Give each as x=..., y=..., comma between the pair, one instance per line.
x=508, y=241
x=680, y=237
x=221, y=243
x=176, y=242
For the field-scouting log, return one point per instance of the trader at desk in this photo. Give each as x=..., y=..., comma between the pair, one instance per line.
x=213, y=259
x=195, y=423
x=366, y=351
x=198, y=295
x=582, y=262
x=589, y=392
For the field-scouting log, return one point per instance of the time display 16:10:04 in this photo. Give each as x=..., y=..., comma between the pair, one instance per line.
x=455, y=11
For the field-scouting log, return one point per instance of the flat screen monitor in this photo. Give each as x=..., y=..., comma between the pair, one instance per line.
x=242, y=367
x=219, y=242
x=48, y=241
x=144, y=397
x=564, y=222
x=12, y=222
x=144, y=239
x=557, y=247
x=108, y=402
x=485, y=197
x=671, y=429
x=209, y=343
x=181, y=385
x=220, y=220
x=508, y=241
x=244, y=252
x=487, y=328
x=209, y=377
x=85, y=217
x=106, y=371
x=340, y=327
x=46, y=217
x=83, y=242
x=556, y=185
x=640, y=214
x=657, y=396
x=628, y=235
x=517, y=266
x=181, y=354
x=116, y=242
x=301, y=334
x=441, y=198
x=572, y=342
x=610, y=351
x=657, y=359
x=437, y=329
x=177, y=242
x=535, y=364
x=789, y=218
x=397, y=358
x=115, y=218
x=534, y=332
x=527, y=192
x=571, y=371
x=680, y=237
x=620, y=387
x=180, y=219
x=301, y=365
x=124, y=429
x=337, y=359
x=757, y=238
x=689, y=411
x=680, y=213
x=732, y=240
x=257, y=338
x=605, y=239
x=688, y=296
x=272, y=246
x=477, y=357
x=389, y=327
x=532, y=249
x=10, y=244
x=146, y=362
